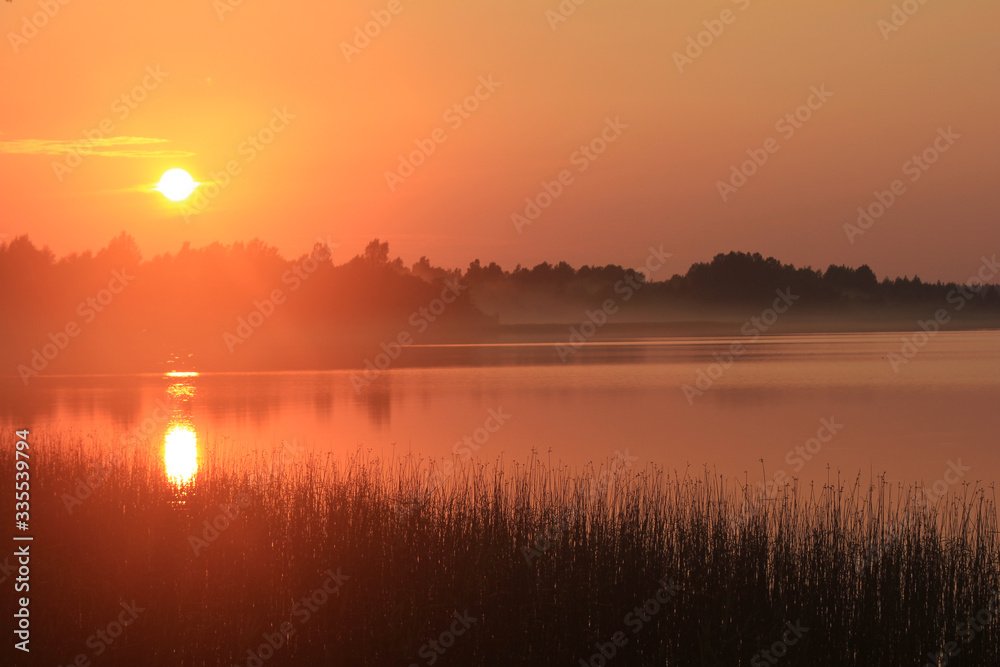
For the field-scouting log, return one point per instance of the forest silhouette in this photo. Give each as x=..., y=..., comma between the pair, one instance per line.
x=245, y=307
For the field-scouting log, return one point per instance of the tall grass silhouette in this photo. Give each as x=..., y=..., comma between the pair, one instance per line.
x=544, y=564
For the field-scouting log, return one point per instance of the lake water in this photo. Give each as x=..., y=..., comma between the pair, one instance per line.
x=939, y=409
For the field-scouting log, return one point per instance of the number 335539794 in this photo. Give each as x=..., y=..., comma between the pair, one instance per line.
x=22, y=477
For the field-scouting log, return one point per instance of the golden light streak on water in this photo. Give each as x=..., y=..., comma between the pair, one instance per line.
x=180, y=453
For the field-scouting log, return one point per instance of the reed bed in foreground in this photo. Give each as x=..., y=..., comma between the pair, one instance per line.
x=361, y=561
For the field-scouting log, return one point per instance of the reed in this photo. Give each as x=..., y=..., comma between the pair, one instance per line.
x=495, y=563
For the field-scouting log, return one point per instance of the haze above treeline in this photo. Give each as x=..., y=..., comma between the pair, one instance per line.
x=245, y=307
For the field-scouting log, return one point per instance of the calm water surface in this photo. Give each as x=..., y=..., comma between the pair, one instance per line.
x=940, y=407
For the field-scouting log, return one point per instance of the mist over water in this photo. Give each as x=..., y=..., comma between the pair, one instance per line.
x=803, y=403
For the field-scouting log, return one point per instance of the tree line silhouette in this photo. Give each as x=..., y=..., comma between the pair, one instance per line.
x=245, y=307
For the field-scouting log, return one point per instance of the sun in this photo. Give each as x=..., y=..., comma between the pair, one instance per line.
x=176, y=185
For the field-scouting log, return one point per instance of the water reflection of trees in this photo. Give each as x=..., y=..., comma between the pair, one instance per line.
x=253, y=401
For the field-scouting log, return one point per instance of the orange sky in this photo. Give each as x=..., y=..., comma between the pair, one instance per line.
x=324, y=174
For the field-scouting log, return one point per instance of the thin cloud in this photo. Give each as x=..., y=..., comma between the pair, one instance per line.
x=105, y=147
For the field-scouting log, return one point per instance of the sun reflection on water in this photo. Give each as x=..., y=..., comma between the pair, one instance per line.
x=180, y=390
x=180, y=442
x=180, y=453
